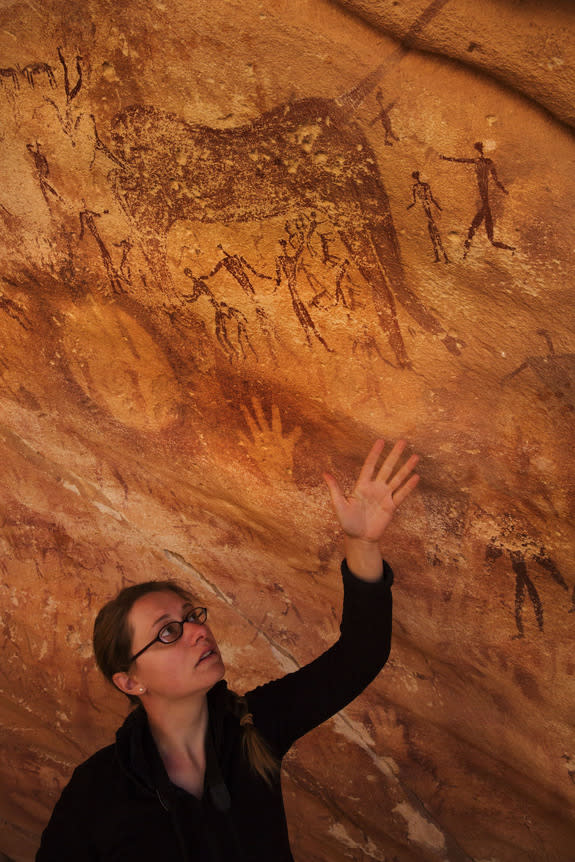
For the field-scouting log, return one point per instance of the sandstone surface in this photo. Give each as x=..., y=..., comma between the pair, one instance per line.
x=239, y=241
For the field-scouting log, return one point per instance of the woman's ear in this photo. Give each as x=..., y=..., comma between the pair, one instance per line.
x=127, y=684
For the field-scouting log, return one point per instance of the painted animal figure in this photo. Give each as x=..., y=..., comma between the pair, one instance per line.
x=10, y=72
x=555, y=370
x=33, y=69
x=305, y=156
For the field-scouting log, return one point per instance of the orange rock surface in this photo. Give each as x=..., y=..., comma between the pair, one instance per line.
x=239, y=241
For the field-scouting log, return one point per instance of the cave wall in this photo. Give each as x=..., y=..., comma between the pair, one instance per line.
x=239, y=241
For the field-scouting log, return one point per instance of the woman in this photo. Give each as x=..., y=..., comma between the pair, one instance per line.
x=194, y=773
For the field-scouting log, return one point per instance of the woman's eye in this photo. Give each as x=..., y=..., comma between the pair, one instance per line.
x=170, y=632
x=193, y=616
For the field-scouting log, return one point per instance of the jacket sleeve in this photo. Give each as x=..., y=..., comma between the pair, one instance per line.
x=65, y=839
x=287, y=708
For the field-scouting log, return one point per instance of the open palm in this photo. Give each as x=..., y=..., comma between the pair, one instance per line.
x=367, y=511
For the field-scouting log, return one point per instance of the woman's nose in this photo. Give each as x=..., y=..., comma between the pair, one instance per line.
x=195, y=632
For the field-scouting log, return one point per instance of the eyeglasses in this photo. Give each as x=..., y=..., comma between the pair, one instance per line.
x=172, y=631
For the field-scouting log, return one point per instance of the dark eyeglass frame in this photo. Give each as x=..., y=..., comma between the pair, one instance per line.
x=195, y=615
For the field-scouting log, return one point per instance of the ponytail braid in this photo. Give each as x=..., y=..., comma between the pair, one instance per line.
x=257, y=751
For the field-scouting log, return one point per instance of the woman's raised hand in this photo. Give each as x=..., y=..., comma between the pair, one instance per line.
x=366, y=513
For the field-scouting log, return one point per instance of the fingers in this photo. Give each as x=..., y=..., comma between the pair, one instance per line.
x=366, y=473
x=390, y=462
x=400, y=495
x=402, y=483
x=276, y=420
x=399, y=484
x=259, y=412
x=255, y=430
x=403, y=473
x=294, y=435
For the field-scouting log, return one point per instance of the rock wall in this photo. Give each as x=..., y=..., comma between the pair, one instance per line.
x=239, y=241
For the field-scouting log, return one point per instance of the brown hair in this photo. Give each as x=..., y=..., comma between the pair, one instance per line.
x=256, y=750
x=112, y=633
x=112, y=641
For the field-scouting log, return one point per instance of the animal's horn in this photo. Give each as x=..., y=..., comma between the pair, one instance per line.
x=351, y=100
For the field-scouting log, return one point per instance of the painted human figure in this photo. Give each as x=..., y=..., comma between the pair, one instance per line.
x=301, y=234
x=312, y=225
x=237, y=266
x=342, y=275
x=366, y=351
x=68, y=116
x=200, y=288
x=296, y=232
x=42, y=171
x=71, y=92
x=302, y=230
x=384, y=119
x=100, y=146
x=484, y=168
x=226, y=315
x=530, y=552
x=125, y=272
x=422, y=191
x=87, y=221
x=287, y=265
x=327, y=256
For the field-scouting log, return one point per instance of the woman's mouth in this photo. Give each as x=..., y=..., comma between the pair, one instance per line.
x=206, y=655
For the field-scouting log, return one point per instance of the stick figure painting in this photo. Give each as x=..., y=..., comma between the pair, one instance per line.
x=484, y=171
x=307, y=156
x=422, y=191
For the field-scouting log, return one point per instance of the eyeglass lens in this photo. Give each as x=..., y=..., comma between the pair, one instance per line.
x=173, y=630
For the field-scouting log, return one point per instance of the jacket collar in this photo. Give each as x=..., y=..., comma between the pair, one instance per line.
x=140, y=760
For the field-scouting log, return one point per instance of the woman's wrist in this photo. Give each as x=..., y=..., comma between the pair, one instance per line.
x=363, y=557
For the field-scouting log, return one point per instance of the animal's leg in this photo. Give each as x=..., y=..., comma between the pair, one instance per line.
x=362, y=250
x=154, y=250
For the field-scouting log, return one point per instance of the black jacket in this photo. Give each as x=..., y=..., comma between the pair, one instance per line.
x=120, y=805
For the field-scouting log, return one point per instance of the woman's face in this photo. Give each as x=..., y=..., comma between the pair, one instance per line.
x=188, y=666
